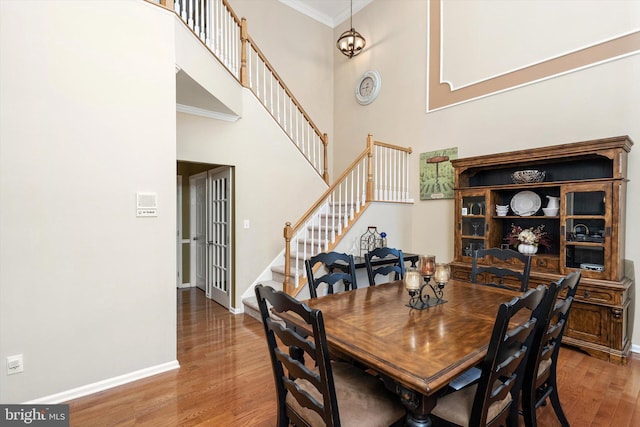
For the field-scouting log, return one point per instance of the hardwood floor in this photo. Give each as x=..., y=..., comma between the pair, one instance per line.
x=225, y=379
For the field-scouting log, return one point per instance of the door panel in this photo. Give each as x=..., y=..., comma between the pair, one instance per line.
x=218, y=236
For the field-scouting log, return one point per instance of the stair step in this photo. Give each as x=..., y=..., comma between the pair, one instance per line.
x=251, y=303
x=279, y=270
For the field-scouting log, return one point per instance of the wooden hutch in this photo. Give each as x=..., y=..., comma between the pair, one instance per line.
x=589, y=178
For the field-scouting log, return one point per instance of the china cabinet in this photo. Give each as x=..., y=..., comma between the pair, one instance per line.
x=582, y=187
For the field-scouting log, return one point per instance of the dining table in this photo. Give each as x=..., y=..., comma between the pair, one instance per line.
x=416, y=352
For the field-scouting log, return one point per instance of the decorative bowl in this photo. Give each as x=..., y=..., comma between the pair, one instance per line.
x=527, y=176
x=550, y=211
x=502, y=210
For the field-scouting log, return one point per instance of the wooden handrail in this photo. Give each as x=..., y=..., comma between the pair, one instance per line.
x=326, y=194
x=284, y=86
x=367, y=152
x=231, y=12
x=240, y=72
x=361, y=175
x=395, y=147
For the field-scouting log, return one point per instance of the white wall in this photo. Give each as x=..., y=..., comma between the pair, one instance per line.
x=600, y=101
x=87, y=119
x=273, y=183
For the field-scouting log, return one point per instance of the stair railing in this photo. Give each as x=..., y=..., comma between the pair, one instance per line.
x=226, y=36
x=379, y=173
x=269, y=88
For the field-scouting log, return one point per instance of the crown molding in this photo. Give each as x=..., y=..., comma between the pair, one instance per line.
x=331, y=21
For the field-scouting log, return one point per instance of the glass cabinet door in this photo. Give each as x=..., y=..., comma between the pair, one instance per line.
x=473, y=224
x=587, y=229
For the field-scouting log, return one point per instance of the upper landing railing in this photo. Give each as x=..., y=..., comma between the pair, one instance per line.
x=226, y=36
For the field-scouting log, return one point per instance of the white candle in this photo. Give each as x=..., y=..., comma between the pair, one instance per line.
x=442, y=273
x=412, y=280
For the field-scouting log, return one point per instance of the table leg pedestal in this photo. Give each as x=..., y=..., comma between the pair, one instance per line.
x=418, y=405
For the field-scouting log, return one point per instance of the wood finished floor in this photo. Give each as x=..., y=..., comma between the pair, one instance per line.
x=225, y=380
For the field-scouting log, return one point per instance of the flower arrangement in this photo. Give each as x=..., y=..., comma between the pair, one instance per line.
x=532, y=236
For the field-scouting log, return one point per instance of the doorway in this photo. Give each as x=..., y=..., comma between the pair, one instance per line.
x=207, y=206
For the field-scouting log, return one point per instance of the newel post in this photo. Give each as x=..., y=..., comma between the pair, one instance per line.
x=288, y=233
x=325, y=143
x=244, y=81
x=369, y=168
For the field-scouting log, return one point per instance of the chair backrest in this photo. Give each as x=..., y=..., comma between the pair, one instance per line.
x=395, y=264
x=507, y=255
x=508, y=348
x=292, y=377
x=546, y=343
x=340, y=268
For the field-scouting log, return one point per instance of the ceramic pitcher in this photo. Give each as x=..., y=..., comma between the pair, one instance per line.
x=554, y=202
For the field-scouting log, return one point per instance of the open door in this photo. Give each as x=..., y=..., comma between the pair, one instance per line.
x=219, y=226
x=198, y=220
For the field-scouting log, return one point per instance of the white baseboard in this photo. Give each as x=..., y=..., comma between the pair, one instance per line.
x=184, y=285
x=635, y=348
x=104, y=384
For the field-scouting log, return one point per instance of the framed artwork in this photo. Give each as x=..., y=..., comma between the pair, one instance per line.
x=436, y=174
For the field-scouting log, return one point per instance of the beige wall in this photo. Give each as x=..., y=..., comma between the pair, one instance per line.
x=595, y=102
x=87, y=119
x=266, y=192
x=301, y=51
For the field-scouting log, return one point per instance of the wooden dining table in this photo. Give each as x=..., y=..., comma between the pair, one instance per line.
x=416, y=352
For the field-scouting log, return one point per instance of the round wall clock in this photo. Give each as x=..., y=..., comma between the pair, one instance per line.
x=368, y=87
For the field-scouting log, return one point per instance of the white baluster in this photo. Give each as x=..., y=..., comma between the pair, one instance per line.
x=351, y=212
x=208, y=23
x=196, y=20
x=190, y=21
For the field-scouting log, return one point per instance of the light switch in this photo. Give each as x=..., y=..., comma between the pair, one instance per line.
x=246, y=224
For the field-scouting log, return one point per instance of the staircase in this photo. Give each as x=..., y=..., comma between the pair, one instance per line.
x=380, y=173
x=316, y=240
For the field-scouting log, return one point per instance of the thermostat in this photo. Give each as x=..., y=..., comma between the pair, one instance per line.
x=146, y=204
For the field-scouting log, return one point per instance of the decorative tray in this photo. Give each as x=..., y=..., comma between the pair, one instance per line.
x=525, y=203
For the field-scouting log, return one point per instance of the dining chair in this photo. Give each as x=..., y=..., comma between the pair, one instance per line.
x=539, y=381
x=506, y=255
x=490, y=401
x=340, y=267
x=326, y=393
x=395, y=265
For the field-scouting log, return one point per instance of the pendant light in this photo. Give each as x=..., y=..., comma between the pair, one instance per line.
x=351, y=42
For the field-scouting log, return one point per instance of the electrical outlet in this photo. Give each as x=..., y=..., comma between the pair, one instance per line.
x=15, y=364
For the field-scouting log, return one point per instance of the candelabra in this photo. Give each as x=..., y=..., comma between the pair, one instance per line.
x=416, y=282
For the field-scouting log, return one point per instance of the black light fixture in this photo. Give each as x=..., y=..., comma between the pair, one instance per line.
x=351, y=42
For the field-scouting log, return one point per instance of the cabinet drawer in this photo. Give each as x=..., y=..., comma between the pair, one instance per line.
x=551, y=264
x=594, y=294
x=461, y=274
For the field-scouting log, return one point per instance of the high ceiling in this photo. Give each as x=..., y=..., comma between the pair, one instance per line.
x=329, y=12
